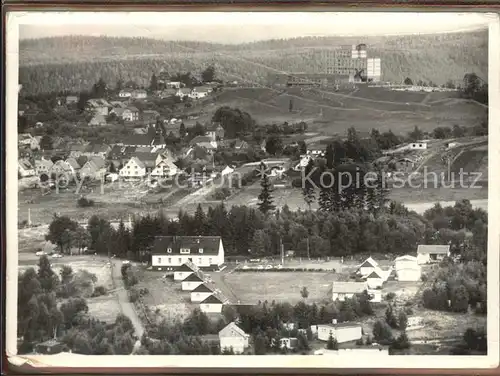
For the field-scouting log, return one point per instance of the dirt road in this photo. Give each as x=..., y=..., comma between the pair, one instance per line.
x=127, y=308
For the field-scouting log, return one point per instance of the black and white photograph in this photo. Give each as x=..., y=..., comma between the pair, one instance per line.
x=309, y=186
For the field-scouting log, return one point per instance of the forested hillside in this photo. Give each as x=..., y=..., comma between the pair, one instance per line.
x=74, y=63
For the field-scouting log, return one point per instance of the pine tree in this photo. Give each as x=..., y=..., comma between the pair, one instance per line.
x=265, y=198
x=153, y=84
x=332, y=343
x=200, y=220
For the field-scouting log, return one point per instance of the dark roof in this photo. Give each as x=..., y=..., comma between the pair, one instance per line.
x=374, y=274
x=149, y=159
x=184, y=268
x=139, y=139
x=210, y=244
x=212, y=299
x=192, y=278
x=115, y=152
x=203, y=288
x=96, y=148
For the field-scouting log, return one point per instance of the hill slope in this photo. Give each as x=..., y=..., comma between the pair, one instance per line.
x=75, y=62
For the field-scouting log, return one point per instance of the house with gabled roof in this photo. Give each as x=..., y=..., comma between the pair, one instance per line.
x=43, y=166
x=147, y=158
x=407, y=268
x=131, y=113
x=96, y=150
x=343, y=290
x=62, y=168
x=73, y=163
x=375, y=279
x=212, y=304
x=25, y=168
x=367, y=266
x=95, y=168
x=133, y=169
x=165, y=168
x=191, y=282
x=427, y=254
x=233, y=337
x=185, y=270
x=200, y=293
x=173, y=251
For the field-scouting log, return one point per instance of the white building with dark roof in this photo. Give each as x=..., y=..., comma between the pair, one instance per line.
x=171, y=252
x=212, y=304
x=427, y=254
x=407, y=269
x=191, y=282
x=200, y=293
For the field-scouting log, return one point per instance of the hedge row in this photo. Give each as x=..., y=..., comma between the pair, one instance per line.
x=285, y=270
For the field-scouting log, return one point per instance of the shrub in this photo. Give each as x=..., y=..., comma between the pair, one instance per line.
x=221, y=193
x=84, y=202
x=133, y=295
x=390, y=296
x=99, y=291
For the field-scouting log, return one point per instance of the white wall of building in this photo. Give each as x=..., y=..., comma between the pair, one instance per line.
x=410, y=274
x=197, y=297
x=341, y=334
x=132, y=170
x=239, y=344
x=180, y=276
x=341, y=296
x=211, y=308
x=190, y=285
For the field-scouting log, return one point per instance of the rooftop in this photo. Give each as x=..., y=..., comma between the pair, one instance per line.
x=208, y=244
x=426, y=249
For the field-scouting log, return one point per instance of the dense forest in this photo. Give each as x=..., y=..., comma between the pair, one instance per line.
x=74, y=63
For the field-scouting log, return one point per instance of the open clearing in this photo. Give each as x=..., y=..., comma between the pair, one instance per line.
x=250, y=287
x=165, y=295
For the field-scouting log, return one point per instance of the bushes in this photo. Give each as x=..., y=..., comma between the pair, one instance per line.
x=99, y=291
x=285, y=270
x=221, y=193
x=84, y=202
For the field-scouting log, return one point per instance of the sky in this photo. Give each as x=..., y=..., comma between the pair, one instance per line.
x=233, y=27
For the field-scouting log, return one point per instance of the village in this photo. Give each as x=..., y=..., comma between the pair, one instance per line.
x=167, y=220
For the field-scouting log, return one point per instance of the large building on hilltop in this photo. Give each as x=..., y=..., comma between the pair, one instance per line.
x=335, y=67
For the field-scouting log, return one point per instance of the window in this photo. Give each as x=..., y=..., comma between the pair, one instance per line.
x=159, y=260
x=180, y=260
x=170, y=260
x=199, y=260
x=185, y=250
x=420, y=145
x=200, y=250
x=169, y=250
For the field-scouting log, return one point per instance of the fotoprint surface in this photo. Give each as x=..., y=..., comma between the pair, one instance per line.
x=233, y=184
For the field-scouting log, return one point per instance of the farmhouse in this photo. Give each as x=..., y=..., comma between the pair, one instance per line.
x=200, y=293
x=343, y=332
x=407, y=269
x=343, y=290
x=212, y=304
x=233, y=337
x=173, y=251
x=427, y=254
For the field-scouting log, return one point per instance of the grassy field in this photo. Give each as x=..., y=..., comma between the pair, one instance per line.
x=250, y=287
x=165, y=296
